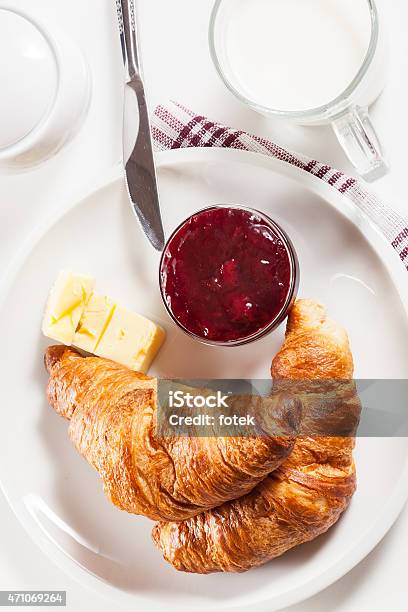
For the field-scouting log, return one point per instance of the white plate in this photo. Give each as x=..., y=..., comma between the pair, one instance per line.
x=58, y=497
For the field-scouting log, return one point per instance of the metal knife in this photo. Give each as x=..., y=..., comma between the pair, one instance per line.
x=140, y=168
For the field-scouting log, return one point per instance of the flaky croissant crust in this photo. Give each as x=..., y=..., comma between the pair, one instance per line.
x=112, y=413
x=307, y=494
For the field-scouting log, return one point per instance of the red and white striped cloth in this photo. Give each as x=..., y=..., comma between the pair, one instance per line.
x=174, y=127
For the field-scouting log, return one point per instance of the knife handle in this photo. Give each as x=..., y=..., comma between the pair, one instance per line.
x=128, y=36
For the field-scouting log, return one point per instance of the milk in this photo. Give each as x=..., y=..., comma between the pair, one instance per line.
x=296, y=55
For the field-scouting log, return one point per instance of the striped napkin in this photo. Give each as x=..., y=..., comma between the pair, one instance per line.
x=174, y=127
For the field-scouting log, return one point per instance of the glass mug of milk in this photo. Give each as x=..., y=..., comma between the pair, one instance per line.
x=313, y=62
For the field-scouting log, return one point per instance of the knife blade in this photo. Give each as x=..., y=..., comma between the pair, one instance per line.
x=140, y=168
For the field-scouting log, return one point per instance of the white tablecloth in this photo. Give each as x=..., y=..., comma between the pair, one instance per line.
x=177, y=65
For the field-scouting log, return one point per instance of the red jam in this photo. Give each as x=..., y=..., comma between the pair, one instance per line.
x=226, y=274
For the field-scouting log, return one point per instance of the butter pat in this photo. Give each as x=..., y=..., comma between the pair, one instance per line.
x=66, y=304
x=76, y=316
x=93, y=323
x=131, y=340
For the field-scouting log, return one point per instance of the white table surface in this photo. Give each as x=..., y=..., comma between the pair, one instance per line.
x=177, y=65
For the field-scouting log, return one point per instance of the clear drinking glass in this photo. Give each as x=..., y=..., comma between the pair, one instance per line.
x=45, y=90
x=348, y=113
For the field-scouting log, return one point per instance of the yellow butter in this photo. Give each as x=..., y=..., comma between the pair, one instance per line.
x=66, y=304
x=76, y=316
x=131, y=340
x=93, y=322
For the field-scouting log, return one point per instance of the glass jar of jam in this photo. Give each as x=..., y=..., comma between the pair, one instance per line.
x=228, y=275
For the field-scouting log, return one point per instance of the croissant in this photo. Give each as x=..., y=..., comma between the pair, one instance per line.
x=307, y=494
x=112, y=413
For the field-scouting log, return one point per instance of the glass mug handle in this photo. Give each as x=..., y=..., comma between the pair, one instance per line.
x=358, y=138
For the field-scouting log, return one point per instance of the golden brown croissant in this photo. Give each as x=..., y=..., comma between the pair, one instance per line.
x=112, y=414
x=308, y=493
